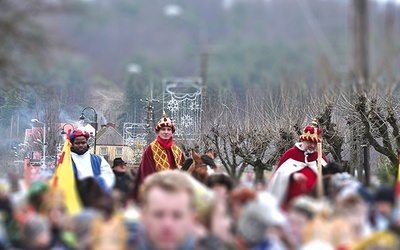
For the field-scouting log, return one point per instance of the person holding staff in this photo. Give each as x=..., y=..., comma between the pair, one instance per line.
x=297, y=171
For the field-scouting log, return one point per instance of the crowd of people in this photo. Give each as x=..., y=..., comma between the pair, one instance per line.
x=161, y=207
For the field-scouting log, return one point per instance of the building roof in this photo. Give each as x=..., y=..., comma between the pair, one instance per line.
x=89, y=128
x=109, y=136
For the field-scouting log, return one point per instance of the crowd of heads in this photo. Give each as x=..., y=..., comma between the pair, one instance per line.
x=175, y=210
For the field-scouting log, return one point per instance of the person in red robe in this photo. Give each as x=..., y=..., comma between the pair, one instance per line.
x=160, y=155
x=296, y=172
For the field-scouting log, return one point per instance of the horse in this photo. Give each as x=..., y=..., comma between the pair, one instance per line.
x=200, y=166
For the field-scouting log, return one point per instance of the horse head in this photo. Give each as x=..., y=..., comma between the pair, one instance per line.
x=202, y=165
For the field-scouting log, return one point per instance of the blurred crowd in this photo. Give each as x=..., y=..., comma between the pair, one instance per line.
x=175, y=211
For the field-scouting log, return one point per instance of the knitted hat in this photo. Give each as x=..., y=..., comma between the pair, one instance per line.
x=165, y=121
x=311, y=133
x=77, y=133
x=37, y=187
x=253, y=223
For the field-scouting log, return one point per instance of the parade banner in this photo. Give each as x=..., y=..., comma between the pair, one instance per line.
x=64, y=179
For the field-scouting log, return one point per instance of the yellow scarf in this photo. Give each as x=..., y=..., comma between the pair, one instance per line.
x=161, y=158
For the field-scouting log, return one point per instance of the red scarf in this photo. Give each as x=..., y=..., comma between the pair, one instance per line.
x=167, y=146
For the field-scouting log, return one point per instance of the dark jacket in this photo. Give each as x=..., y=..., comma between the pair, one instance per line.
x=123, y=182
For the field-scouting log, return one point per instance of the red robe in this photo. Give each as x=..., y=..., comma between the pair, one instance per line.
x=148, y=164
x=293, y=161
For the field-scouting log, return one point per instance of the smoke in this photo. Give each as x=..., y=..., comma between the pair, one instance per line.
x=104, y=120
x=65, y=117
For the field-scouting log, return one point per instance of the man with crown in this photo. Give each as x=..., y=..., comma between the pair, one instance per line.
x=86, y=164
x=296, y=172
x=160, y=155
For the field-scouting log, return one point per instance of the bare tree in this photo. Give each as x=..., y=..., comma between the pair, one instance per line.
x=381, y=129
x=223, y=135
x=258, y=132
x=333, y=126
x=375, y=115
x=47, y=110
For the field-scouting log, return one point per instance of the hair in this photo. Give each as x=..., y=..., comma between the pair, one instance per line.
x=81, y=223
x=328, y=171
x=207, y=217
x=385, y=193
x=242, y=195
x=105, y=205
x=169, y=180
x=304, y=205
x=53, y=197
x=220, y=179
x=36, y=194
x=133, y=172
x=33, y=228
x=332, y=168
x=348, y=203
x=89, y=191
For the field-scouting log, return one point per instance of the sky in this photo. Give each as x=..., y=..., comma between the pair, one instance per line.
x=385, y=1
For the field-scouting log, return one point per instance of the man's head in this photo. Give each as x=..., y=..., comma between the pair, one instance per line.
x=220, y=183
x=168, y=208
x=384, y=200
x=301, y=211
x=165, y=128
x=35, y=233
x=258, y=216
x=36, y=194
x=119, y=165
x=310, y=137
x=328, y=171
x=309, y=146
x=238, y=199
x=78, y=140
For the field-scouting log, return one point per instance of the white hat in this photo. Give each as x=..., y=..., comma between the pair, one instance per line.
x=258, y=216
x=272, y=209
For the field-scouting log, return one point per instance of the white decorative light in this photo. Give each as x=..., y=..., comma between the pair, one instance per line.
x=182, y=98
x=134, y=135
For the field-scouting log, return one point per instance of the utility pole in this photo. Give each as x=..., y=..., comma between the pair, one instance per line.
x=389, y=54
x=360, y=80
x=150, y=119
x=366, y=167
x=360, y=45
x=204, y=66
